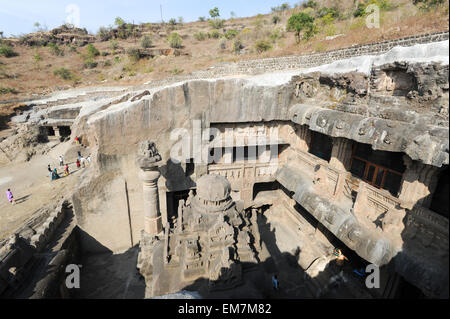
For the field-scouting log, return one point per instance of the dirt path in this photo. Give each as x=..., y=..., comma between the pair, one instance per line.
x=32, y=187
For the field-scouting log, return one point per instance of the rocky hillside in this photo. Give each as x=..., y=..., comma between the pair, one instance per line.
x=40, y=63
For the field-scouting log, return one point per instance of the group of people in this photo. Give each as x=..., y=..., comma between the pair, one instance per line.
x=81, y=161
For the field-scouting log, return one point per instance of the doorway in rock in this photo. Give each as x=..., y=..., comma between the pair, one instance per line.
x=321, y=145
x=64, y=131
x=173, y=199
x=440, y=200
x=262, y=187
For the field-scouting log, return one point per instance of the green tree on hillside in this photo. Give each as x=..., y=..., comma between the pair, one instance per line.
x=119, y=21
x=214, y=13
x=301, y=22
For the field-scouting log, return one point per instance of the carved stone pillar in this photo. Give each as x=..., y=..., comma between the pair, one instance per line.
x=148, y=160
x=56, y=129
x=341, y=154
x=304, y=137
x=418, y=184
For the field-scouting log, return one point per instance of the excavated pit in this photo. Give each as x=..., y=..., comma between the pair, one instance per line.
x=359, y=163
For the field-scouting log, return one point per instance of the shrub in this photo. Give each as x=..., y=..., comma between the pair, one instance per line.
x=177, y=71
x=64, y=73
x=223, y=44
x=92, y=51
x=428, y=4
x=275, y=19
x=113, y=44
x=134, y=54
x=262, y=46
x=334, y=12
x=174, y=40
x=230, y=34
x=202, y=19
x=146, y=42
x=173, y=21
x=200, y=36
x=119, y=21
x=104, y=34
x=216, y=23
x=309, y=4
x=214, y=34
x=237, y=45
x=90, y=64
x=7, y=90
x=107, y=63
x=55, y=50
x=7, y=51
x=37, y=57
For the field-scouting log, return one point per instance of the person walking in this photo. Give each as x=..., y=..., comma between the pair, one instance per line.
x=78, y=163
x=66, y=170
x=79, y=155
x=10, y=196
x=77, y=140
x=275, y=282
x=61, y=160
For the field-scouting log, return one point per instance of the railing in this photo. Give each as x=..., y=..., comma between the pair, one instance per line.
x=256, y=171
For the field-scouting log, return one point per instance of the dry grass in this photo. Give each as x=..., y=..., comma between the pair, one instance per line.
x=31, y=78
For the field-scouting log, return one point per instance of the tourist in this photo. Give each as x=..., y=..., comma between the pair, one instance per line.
x=55, y=174
x=78, y=163
x=66, y=170
x=83, y=161
x=79, y=155
x=49, y=170
x=77, y=140
x=10, y=196
x=340, y=257
x=89, y=158
x=61, y=160
x=275, y=282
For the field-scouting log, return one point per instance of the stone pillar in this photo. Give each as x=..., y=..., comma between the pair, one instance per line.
x=341, y=154
x=147, y=160
x=304, y=137
x=418, y=184
x=56, y=129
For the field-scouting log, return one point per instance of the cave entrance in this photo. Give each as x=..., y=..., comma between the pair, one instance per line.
x=64, y=131
x=173, y=199
x=321, y=145
x=263, y=187
x=378, y=168
x=440, y=200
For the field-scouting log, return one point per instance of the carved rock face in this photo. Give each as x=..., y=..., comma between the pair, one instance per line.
x=148, y=156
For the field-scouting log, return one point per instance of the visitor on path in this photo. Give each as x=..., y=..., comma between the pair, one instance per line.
x=78, y=163
x=55, y=174
x=275, y=283
x=66, y=170
x=77, y=140
x=49, y=170
x=340, y=257
x=10, y=197
x=89, y=158
x=79, y=155
x=61, y=160
x=83, y=161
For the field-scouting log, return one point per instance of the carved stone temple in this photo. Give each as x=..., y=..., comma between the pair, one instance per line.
x=209, y=240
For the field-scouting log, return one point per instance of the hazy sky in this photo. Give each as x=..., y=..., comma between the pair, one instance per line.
x=19, y=16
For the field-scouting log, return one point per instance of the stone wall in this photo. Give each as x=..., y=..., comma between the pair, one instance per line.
x=266, y=65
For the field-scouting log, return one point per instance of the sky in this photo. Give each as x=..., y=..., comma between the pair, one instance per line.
x=19, y=16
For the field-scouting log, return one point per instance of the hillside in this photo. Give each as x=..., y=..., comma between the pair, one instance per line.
x=120, y=59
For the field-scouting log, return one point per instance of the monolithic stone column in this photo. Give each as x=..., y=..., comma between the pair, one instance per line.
x=418, y=184
x=56, y=129
x=341, y=154
x=147, y=160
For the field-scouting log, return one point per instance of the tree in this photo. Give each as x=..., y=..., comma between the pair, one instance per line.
x=202, y=19
x=173, y=21
x=119, y=21
x=275, y=19
x=180, y=20
x=214, y=13
x=299, y=22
